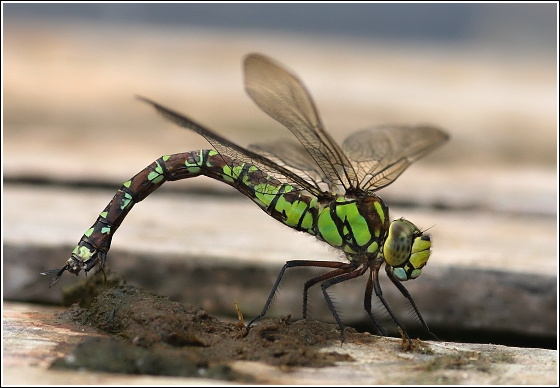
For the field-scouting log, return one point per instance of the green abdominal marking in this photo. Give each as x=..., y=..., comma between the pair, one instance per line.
x=297, y=212
x=313, y=185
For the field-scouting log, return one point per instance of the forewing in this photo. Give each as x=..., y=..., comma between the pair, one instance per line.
x=379, y=155
x=283, y=96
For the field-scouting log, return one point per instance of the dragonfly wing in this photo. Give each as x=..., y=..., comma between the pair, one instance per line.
x=283, y=96
x=379, y=155
x=234, y=151
x=291, y=154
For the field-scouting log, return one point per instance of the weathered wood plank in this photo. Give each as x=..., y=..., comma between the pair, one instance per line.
x=32, y=339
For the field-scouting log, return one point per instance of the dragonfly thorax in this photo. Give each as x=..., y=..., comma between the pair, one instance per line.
x=358, y=226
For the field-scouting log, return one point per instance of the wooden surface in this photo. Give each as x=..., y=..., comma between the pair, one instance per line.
x=489, y=197
x=32, y=340
x=212, y=256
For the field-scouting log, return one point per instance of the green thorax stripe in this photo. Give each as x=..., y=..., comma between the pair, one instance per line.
x=354, y=225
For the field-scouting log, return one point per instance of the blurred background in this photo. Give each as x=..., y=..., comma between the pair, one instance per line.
x=487, y=73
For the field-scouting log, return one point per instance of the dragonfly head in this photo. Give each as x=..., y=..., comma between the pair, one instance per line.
x=406, y=250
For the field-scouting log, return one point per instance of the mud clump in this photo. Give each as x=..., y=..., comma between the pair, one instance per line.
x=150, y=334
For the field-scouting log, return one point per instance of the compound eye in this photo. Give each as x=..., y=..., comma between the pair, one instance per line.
x=406, y=250
x=420, y=252
x=398, y=244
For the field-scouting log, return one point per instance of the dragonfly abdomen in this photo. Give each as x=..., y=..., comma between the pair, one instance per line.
x=287, y=203
x=282, y=201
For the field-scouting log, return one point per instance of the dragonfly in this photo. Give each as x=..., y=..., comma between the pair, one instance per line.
x=313, y=185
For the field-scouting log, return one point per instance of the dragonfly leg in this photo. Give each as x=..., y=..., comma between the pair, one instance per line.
x=407, y=295
x=341, y=269
x=342, y=278
x=271, y=296
x=367, y=306
x=379, y=294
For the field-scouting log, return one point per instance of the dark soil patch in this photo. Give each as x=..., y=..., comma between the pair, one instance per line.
x=154, y=335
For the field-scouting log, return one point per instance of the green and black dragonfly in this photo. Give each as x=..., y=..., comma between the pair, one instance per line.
x=313, y=185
